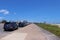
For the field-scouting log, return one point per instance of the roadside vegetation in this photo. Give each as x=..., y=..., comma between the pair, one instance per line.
x=52, y=28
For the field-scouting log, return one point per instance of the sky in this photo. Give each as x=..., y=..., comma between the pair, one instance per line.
x=31, y=10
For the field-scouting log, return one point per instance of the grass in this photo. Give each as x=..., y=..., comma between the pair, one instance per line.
x=52, y=28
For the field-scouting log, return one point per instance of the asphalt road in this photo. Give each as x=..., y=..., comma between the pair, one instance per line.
x=30, y=32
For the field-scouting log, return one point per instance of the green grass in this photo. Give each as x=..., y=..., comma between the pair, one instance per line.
x=52, y=28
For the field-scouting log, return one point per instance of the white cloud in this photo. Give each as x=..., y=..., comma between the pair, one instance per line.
x=4, y=11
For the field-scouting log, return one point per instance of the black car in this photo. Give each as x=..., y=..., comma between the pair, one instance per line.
x=10, y=26
x=23, y=24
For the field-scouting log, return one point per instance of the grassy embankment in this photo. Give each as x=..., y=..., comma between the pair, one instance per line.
x=52, y=28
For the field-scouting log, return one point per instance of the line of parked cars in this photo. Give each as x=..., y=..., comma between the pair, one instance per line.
x=10, y=26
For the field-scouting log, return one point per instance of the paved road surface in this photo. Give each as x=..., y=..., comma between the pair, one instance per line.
x=30, y=32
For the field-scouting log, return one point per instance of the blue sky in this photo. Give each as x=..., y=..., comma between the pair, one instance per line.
x=31, y=10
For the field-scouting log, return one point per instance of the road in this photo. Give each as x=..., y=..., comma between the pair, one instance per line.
x=30, y=32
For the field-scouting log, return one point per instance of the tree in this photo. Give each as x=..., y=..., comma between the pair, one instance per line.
x=3, y=21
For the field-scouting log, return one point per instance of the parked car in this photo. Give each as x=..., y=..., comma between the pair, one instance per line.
x=23, y=24
x=10, y=26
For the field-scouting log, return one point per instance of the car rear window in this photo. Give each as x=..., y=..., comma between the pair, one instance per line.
x=7, y=23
